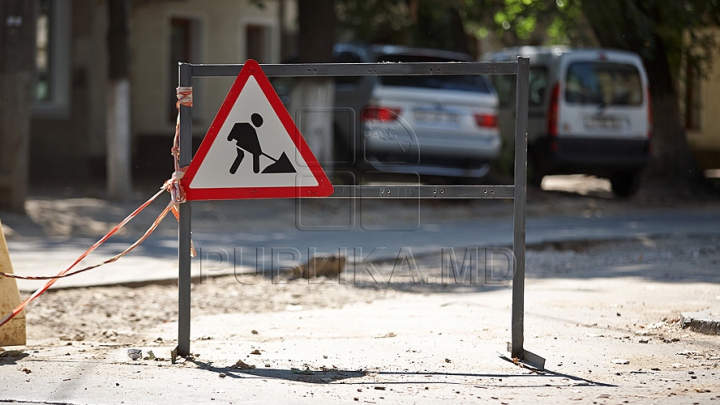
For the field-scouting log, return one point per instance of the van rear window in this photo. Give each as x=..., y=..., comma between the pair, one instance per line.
x=477, y=84
x=604, y=83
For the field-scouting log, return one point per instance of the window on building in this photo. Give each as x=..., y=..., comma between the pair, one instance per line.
x=184, y=44
x=52, y=63
x=42, y=53
x=257, y=43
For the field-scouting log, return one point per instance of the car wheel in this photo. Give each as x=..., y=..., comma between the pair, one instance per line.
x=625, y=184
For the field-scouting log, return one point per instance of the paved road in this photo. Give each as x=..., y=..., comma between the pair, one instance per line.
x=605, y=338
x=156, y=258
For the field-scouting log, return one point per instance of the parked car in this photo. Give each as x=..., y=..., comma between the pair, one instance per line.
x=426, y=125
x=589, y=113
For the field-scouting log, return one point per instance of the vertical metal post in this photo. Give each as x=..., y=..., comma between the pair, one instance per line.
x=184, y=276
x=521, y=124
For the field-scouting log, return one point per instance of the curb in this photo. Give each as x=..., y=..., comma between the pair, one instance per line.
x=700, y=322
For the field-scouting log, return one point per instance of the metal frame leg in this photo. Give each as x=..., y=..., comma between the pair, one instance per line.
x=520, y=200
x=184, y=229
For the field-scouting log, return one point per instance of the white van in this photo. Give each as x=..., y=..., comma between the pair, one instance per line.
x=589, y=112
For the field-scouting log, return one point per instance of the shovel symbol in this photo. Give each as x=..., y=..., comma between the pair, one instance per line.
x=281, y=165
x=245, y=136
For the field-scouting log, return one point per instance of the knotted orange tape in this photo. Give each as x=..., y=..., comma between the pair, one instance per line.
x=177, y=197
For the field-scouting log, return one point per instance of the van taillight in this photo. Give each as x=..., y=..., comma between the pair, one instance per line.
x=553, y=111
x=486, y=120
x=382, y=114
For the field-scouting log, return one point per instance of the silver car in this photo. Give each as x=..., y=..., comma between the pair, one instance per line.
x=426, y=125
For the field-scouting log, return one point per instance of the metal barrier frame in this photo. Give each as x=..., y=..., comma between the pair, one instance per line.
x=517, y=192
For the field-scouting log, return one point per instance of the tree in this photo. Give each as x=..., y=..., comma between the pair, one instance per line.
x=314, y=97
x=423, y=23
x=119, y=178
x=375, y=21
x=529, y=22
x=655, y=30
x=17, y=69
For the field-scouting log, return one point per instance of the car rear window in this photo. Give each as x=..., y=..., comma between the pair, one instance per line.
x=471, y=83
x=604, y=83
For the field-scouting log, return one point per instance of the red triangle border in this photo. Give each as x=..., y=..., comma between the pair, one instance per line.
x=324, y=187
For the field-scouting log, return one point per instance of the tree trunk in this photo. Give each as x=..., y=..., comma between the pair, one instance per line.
x=313, y=98
x=672, y=158
x=119, y=177
x=17, y=68
x=458, y=34
x=282, y=14
x=312, y=101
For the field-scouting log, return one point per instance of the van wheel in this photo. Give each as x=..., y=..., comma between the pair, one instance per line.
x=625, y=184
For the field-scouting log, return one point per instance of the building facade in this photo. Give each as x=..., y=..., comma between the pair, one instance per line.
x=700, y=97
x=69, y=115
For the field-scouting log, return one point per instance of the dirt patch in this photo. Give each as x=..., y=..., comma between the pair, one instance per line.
x=121, y=314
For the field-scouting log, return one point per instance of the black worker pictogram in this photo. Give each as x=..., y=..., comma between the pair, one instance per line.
x=246, y=138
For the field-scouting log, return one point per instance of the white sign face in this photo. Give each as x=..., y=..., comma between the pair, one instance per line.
x=240, y=145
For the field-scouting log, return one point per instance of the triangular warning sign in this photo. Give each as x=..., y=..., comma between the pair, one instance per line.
x=253, y=149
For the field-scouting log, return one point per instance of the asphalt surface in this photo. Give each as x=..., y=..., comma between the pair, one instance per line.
x=236, y=252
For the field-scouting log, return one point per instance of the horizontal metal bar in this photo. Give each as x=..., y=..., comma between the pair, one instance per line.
x=424, y=192
x=363, y=69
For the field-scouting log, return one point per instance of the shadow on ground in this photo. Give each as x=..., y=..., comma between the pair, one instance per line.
x=329, y=376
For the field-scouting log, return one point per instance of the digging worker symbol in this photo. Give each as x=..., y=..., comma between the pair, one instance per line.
x=246, y=138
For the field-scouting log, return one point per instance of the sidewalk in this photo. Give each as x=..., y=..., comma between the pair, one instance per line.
x=220, y=252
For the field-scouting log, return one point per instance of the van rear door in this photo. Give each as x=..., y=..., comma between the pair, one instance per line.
x=602, y=95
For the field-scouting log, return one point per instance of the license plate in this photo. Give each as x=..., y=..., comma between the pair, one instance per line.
x=437, y=117
x=606, y=123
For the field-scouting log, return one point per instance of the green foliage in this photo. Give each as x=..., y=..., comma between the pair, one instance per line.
x=426, y=23
x=429, y=22
x=665, y=33
x=643, y=26
x=445, y=24
x=655, y=29
x=569, y=25
x=520, y=22
x=373, y=21
x=258, y=3
x=439, y=25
